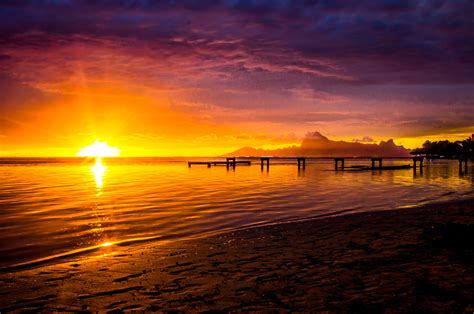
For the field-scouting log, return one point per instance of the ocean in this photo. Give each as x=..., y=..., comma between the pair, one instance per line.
x=58, y=208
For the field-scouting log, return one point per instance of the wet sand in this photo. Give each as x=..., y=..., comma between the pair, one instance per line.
x=414, y=259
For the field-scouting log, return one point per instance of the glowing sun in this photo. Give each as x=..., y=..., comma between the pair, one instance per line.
x=99, y=149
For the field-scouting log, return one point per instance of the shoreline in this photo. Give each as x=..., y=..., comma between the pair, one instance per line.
x=158, y=240
x=359, y=262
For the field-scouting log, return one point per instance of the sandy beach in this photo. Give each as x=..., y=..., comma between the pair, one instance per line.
x=412, y=259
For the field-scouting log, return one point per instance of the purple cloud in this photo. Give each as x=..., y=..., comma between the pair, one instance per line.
x=391, y=63
x=371, y=41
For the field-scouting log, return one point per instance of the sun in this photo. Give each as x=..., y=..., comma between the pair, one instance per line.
x=98, y=149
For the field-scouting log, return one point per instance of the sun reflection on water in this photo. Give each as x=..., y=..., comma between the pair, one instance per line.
x=99, y=171
x=100, y=215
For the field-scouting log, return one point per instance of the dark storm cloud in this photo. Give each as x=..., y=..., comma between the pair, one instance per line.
x=356, y=42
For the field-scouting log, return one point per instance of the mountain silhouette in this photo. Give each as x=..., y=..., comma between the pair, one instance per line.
x=317, y=145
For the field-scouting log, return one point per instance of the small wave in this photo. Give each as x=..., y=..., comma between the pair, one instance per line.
x=81, y=252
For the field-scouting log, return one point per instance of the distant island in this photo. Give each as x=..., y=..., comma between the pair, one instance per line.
x=316, y=145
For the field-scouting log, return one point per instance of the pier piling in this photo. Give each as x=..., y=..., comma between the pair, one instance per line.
x=462, y=161
x=379, y=160
x=336, y=163
x=301, y=163
x=263, y=160
x=230, y=161
x=418, y=160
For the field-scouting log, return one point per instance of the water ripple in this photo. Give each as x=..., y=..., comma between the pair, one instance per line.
x=62, y=208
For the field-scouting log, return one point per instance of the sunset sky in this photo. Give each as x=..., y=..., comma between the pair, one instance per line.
x=207, y=77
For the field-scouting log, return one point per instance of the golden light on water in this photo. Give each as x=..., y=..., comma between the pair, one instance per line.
x=99, y=149
x=99, y=171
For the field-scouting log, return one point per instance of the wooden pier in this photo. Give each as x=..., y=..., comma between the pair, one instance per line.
x=217, y=163
x=339, y=163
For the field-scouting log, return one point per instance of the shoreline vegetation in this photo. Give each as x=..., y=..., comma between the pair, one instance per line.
x=400, y=260
x=447, y=149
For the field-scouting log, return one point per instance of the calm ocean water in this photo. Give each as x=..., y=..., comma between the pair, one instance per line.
x=52, y=208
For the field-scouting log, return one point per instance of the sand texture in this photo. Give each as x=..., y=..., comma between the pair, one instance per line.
x=401, y=261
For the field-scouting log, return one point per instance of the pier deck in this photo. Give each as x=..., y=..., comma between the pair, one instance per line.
x=339, y=163
x=216, y=163
x=366, y=168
